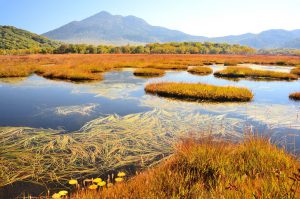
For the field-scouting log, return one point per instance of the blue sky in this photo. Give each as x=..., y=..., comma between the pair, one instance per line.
x=198, y=17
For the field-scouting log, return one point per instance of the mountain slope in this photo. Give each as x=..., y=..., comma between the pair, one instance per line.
x=14, y=38
x=115, y=29
x=104, y=28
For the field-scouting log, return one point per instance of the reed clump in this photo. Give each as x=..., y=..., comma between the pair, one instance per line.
x=295, y=96
x=210, y=168
x=148, y=72
x=244, y=72
x=200, y=70
x=199, y=92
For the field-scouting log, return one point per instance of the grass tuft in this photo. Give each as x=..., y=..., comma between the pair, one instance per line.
x=213, y=169
x=295, y=96
x=199, y=92
x=242, y=72
x=200, y=70
x=148, y=72
x=296, y=71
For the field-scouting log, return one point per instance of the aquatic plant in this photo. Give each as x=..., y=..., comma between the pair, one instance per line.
x=213, y=168
x=242, y=72
x=102, y=145
x=199, y=92
x=295, y=96
x=148, y=72
x=200, y=70
x=230, y=63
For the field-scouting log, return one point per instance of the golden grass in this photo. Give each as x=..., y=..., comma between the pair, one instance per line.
x=231, y=63
x=296, y=71
x=242, y=72
x=200, y=70
x=295, y=96
x=79, y=66
x=199, y=92
x=213, y=169
x=148, y=72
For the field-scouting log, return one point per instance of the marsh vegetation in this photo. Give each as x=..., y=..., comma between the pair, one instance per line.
x=244, y=72
x=199, y=92
x=148, y=72
x=200, y=70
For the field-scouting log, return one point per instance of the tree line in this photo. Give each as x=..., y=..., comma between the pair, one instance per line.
x=154, y=48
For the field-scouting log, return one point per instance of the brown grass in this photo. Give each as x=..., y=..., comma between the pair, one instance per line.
x=295, y=96
x=199, y=92
x=200, y=70
x=242, y=72
x=148, y=72
x=213, y=169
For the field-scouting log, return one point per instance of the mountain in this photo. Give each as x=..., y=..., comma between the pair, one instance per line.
x=14, y=38
x=104, y=28
x=276, y=38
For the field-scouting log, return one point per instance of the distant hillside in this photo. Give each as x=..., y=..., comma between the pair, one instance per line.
x=14, y=38
x=104, y=28
x=267, y=39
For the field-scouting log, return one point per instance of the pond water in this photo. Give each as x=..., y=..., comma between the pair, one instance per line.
x=119, y=104
x=41, y=103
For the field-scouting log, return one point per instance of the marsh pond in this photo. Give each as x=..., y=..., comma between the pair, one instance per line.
x=85, y=129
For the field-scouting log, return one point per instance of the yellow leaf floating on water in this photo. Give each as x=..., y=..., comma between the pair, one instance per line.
x=101, y=184
x=72, y=182
x=93, y=187
x=119, y=179
x=121, y=174
x=56, y=195
x=63, y=193
x=97, y=180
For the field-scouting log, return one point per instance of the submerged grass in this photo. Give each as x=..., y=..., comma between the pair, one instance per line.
x=199, y=92
x=242, y=72
x=209, y=168
x=148, y=72
x=295, y=96
x=200, y=70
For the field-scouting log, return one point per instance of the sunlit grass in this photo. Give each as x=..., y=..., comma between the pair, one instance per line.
x=295, y=96
x=209, y=168
x=242, y=72
x=148, y=72
x=200, y=70
x=296, y=70
x=199, y=92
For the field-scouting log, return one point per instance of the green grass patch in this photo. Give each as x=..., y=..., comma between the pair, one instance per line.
x=200, y=70
x=199, y=92
x=243, y=72
x=148, y=72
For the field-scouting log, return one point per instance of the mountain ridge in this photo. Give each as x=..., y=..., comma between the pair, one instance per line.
x=105, y=28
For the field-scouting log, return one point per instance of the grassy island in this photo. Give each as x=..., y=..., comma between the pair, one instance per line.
x=296, y=71
x=148, y=72
x=244, y=72
x=199, y=92
x=200, y=70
